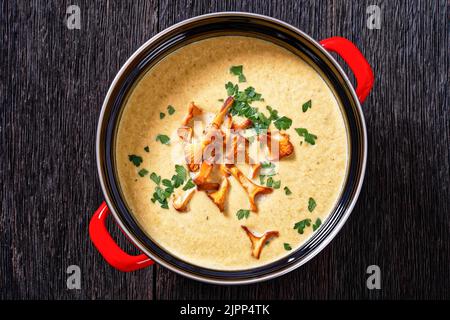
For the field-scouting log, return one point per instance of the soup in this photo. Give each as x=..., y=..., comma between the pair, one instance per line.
x=225, y=215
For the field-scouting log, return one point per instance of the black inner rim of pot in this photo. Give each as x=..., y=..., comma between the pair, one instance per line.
x=244, y=26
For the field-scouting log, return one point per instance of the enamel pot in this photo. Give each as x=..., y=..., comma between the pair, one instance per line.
x=316, y=53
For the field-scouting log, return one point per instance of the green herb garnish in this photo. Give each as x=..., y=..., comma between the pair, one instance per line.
x=163, y=139
x=269, y=182
x=287, y=191
x=161, y=196
x=317, y=224
x=283, y=123
x=307, y=105
x=137, y=160
x=277, y=184
x=162, y=115
x=170, y=109
x=189, y=185
x=147, y=149
x=301, y=225
x=220, y=100
x=241, y=214
x=309, y=137
x=143, y=172
x=287, y=246
x=155, y=178
x=261, y=179
x=311, y=204
x=238, y=71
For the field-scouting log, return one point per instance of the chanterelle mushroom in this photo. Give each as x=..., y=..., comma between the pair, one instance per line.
x=219, y=196
x=251, y=188
x=193, y=111
x=180, y=202
x=258, y=242
x=285, y=147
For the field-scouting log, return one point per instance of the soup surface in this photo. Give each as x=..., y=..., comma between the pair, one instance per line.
x=305, y=185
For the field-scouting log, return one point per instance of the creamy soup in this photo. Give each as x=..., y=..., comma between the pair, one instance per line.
x=307, y=182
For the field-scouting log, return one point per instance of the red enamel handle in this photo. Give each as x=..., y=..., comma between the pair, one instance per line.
x=108, y=248
x=356, y=61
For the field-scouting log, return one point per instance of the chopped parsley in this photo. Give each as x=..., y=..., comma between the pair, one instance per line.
x=137, y=160
x=220, y=100
x=170, y=110
x=309, y=137
x=238, y=71
x=162, y=115
x=266, y=165
x=283, y=123
x=242, y=107
x=147, y=149
x=261, y=179
x=155, y=178
x=143, y=172
x=269, y=182
x=287, y=191
x=301, y=225
x=307, y=105
x=317, y=224
x=277, y=184
x=268, y=169
x=163, y=139
x=241, y=214
x=287, y=246
x=189, y=185
x=311, y=204
x=161, y=195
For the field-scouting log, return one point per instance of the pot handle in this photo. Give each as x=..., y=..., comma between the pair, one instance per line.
x=108, y=248
x=356, y=61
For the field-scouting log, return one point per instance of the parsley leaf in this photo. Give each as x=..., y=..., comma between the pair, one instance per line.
x=269, y=182
x=301, y=225
x=277, y=184
x=309, y=137
x=238, y=71
x=307, y=105
x=287, y=191
x=283, y=123
x=155, y=178
x=287, y=246
x=241, y=214
x=161, y=196
x=137, y=160
x=261, y=179
x=231, y=88
x=143, y=172
x=163, y=139
x=311, y=204
x=189, y=185
x=162, y=115
x=181, y=172
x=170, y=109
x=317, y=224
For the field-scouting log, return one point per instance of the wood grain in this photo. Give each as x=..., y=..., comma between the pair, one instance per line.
x=52, y=86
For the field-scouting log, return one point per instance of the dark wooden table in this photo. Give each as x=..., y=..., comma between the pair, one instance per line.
x=53, y=81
